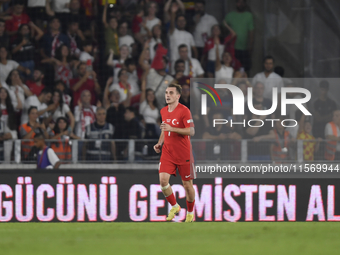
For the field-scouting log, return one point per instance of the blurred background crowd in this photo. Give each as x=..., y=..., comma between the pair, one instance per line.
x=85, y=69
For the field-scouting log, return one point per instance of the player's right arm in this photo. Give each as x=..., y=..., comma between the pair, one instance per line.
x=158, y=146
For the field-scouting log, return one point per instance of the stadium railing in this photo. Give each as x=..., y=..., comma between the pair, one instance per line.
x=141, y=151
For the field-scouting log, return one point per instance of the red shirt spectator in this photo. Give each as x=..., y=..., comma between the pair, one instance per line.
x=18, y=18
x=86, y=81
x=36, y=85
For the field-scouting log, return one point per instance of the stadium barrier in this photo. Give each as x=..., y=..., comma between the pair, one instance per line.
x=135, y=196
x=141, y=151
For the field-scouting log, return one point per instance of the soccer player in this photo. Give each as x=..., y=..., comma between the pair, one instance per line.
x=177, y=127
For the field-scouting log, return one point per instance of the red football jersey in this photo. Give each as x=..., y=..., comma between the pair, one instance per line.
x=176, y=147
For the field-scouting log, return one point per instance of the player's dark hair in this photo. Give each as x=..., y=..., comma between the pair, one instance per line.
x=177, y=86
x=268, y=57
x=182, y=46
x=31, y=108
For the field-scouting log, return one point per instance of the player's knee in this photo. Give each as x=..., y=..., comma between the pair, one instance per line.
x=164, y=182
x=187, y=185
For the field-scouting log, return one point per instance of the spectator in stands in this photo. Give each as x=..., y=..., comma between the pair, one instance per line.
x=63, y=133
x=332, y=134
x=8, y=117
x=46, y=157
x=84, y=113
x=203, y=22
x=111, y=33
x=122, y=86
x=63, y=64
x=179, y=36
x=77, y=14
x=16, y=88
x=179, y=76
x=5, y=134
x=223, y=69
x=144, y=58
x=220, y=147
x=256, y=152
x=150, y=20
x=323, y=110
x=6, y=65
x=18, y=18
x=149, y=110
x=157, y=38
x=124, y=38
x=36, y=85
x=305, y=132
x=60, y=8
x=40, y=102
x=157, y=78
x=61, y=109
x=258, y=91
x=23, y=48
x=133, y=128
x=60, y=85
x=241, y=21
x=36, y=10
x=76, y=38
x=53, y=39
x=4, y=38
x=268, y=78
x=118, y=64
x=168, y=10
x=7, y=109
x=100, y=130
x=185, y=96
x=137, y=24
x=115, y=110
x=84, y=82
x=193, y=67
x=133, y=80
x=86, y=56
x=28, y=131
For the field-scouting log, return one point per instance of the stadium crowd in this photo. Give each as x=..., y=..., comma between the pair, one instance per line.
x=82, y=69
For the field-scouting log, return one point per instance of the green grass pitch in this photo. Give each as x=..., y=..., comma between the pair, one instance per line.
x=170, y=238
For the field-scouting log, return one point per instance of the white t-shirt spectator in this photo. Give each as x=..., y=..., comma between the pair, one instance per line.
x=273, y=80
x=6, y=69
x=212, y=52
x=36, y=3
x=154, y=80
x=133, y=81
x=195, y=66
x=11, y=91
x=203, y=29
x=149, y=24
x=225, y=73
x=176, y=39
x=84, y=56
x=61, y=112
x=329, y=131
x=126, y=39
x=60, y=6
x=32, y=101
x=149, y=115
x=83, y=118
x=121, y=89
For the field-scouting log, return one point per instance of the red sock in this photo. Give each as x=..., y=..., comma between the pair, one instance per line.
x=190, y=206
x=171, y=199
